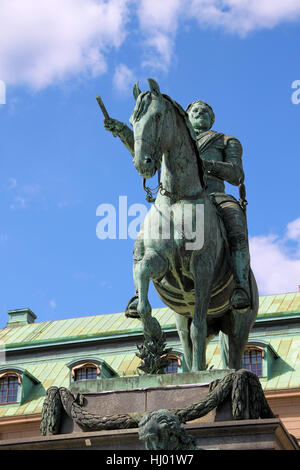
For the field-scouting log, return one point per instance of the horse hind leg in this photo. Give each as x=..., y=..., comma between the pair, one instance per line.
x=237, y=339
x=232, y=345
x=233, y=338
x=152, y=266
x=203, y=278
x=183, y=329
x=235, y=330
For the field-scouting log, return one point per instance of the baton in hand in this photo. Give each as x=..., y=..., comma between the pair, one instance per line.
x=103, y=108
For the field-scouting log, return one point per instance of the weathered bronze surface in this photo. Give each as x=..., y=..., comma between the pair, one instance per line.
x=210, y=288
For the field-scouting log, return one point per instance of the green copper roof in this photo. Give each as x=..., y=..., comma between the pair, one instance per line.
x=280, y=303
x=117, y=324
x=52, y=369
x=285, y=373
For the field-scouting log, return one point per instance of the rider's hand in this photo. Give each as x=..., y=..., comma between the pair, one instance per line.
x=208, y=165
x=113, y=125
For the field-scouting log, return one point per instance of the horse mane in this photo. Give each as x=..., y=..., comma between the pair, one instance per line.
x=190, y=128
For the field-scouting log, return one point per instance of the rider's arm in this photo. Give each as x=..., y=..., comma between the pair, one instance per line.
x=231, y=169
x=121, y=130
x=126, y=136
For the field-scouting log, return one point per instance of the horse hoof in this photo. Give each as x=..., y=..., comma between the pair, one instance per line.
x=131, y=309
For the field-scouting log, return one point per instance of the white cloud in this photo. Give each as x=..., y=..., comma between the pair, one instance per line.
x=293, y=230
x=160, y=53
x=48, y=40
x=124, y=78
x=45, y=41
x=155, y=14
x=159, y=21
x=52, y=303
x=243, y=16
x=276, y=261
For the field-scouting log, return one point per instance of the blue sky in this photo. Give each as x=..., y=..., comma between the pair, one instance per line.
x=58, y=163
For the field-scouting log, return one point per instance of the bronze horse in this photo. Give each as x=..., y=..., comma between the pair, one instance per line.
x=192, y=277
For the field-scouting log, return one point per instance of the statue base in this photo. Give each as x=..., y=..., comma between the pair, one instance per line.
x=145, y=393
x=217, y=429
x=254, y=434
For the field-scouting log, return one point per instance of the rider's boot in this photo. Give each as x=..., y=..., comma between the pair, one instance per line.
x=241, y=297
x=138, y=252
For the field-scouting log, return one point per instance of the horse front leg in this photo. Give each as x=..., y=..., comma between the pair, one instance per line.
x=203, y=278
x=151, y=267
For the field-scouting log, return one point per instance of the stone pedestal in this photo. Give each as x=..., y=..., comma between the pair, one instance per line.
x=146, y=393
x=216, y=430
x=266, y=434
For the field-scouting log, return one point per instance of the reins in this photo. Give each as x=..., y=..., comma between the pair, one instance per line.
x=149, y=191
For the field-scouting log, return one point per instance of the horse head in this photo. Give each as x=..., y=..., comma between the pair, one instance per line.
x=147, y=120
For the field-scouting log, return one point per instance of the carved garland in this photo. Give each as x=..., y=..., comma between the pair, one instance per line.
x=243, y=386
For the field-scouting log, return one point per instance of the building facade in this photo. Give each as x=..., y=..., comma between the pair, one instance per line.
x=35, y=356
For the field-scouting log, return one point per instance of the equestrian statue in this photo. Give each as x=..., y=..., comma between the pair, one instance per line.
x=193, y=243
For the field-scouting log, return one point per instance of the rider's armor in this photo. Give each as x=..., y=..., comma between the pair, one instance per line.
x=225, y=153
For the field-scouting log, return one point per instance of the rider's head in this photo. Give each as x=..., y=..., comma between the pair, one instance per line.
x=200, y=115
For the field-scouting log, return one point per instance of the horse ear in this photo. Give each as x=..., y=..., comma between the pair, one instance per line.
x=154, y=88
x=136, y=90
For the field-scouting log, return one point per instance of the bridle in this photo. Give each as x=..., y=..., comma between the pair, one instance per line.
x=149, y=191
x=152, y=192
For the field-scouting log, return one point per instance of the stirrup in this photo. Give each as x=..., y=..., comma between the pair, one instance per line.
x=132, y=313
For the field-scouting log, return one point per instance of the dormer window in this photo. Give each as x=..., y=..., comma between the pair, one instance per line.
x=16, y=384
x=9, y=387
x=174, y=363
x=88, y=368
x=85, y=371
x=253, y=359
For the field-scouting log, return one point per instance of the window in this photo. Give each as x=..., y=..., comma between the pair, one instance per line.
x=9, y=388
x=253, y=360
x=15, y=385
x=86, y=371
x=173, y=365
x=88, y=368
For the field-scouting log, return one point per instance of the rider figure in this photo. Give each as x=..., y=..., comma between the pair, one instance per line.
x=222, y=161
